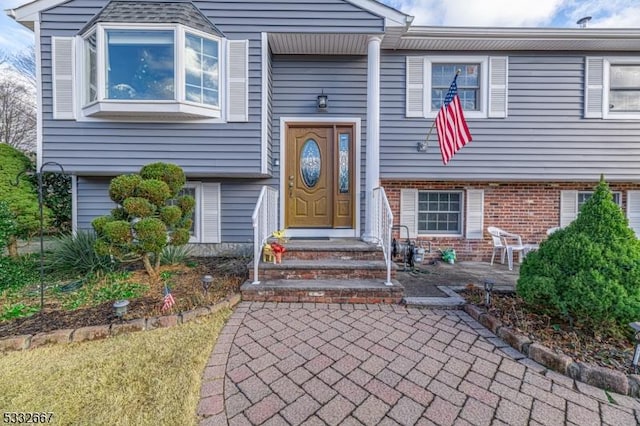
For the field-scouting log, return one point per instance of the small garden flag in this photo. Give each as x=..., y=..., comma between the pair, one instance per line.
x=453, y=132
x=168, y=301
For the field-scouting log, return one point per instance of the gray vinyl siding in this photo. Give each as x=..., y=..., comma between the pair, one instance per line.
x=297, y=82
x=234, y=149
x=237, y=201
x=93, y=200
x=544, y=137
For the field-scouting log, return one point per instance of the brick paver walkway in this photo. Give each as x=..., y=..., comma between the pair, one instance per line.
x=316, y=364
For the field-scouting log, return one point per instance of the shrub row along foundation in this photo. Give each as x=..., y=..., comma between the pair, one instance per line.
x=96, y=332
x=603, y=378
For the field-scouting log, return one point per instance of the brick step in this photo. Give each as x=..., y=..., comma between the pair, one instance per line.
x=322, y=291
x=340, y=249
x=306, y=254
x=296, y=269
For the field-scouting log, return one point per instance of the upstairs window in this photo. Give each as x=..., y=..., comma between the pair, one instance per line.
x=201, y=66
x=468, y=84
x=624, y=88
x=482, y=85
x=166, y=71
x=612, y=87
x=140, y=65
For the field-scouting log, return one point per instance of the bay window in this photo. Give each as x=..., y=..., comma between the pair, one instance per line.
x=164, y=70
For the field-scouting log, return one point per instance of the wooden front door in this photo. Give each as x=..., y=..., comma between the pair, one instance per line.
x=319, y=183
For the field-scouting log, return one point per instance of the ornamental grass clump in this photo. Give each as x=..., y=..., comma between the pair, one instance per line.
x=150, y=217
x=588, y=272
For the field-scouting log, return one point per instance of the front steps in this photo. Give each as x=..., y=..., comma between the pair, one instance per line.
x=325, y=271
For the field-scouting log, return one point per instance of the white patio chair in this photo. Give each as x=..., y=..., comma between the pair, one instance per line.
x=509, y=243
x=498, y=243
x=552, y=230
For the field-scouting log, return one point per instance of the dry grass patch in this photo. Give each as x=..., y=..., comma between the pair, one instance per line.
x=145, y=378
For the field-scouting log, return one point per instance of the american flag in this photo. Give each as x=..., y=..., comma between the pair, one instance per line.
x=168, y=301
x=453, y=132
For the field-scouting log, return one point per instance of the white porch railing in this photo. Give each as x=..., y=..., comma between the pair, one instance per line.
x=382, y=224
x=265, y=223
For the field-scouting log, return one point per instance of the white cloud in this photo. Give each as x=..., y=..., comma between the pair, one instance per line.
x=13, y=36
x=480, y=13
x=606, y=13
x=521, y=13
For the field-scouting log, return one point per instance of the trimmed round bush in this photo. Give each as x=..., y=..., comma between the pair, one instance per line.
x=138, y=207
x=170, y=174
x=118, y=232
x=170, y=215
x=589, y=271
x=119, y=214
x=123, y=187
x=151, y=233
x=99, y=223
x=180, y=237
x=186, y=203
x=185, y=223
x=154, y=190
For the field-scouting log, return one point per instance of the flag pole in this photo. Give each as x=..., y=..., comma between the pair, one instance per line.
x=426, y=141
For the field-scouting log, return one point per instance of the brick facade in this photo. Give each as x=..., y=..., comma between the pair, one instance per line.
x=525, y=208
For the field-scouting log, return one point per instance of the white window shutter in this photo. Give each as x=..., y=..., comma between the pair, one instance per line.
x=62, y=77
x=475, y=214
x=237, y=80
x=498, y=86
x=568, y=207
x=415, y=86
x=593, y=87
x=633, y=211
x=409, y=212
x=211, y=212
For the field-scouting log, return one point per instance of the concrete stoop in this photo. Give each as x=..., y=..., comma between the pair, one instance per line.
x=452, y=301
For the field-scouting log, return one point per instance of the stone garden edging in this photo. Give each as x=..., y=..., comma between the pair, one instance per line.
x=96, y=332
x=600, y=377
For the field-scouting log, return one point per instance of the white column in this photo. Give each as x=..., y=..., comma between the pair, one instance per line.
x=372, y=163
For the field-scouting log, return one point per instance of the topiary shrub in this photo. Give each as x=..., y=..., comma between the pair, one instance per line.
x=146, y=220
x=123, y=187
x=170, y=174
x=589, y=271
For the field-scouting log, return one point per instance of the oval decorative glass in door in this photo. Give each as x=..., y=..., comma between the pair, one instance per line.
x=310, y=163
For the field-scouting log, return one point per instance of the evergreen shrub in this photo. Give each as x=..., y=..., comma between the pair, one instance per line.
x=588, y=272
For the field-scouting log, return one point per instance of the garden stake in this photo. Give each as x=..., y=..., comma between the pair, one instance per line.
x=40, y=207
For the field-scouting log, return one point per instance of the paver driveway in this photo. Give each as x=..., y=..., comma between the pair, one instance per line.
x=315, y=364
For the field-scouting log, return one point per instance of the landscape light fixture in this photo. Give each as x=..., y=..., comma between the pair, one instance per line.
x=121, y=307
x=488, y=288
x=636, y=354
x=207, y=280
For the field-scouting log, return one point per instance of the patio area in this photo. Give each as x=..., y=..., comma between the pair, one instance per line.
x=424, y=280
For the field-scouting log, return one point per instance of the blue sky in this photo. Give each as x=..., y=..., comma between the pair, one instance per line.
x=510, y=13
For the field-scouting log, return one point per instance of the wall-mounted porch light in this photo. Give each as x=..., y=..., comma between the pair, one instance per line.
x=323, y=102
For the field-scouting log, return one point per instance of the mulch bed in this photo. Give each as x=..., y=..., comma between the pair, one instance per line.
x=580, y=343
x=186, y=288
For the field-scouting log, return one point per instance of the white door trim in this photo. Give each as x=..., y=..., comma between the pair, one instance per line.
x=322, y=232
